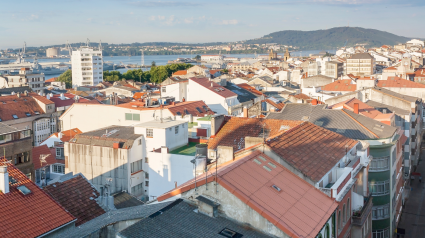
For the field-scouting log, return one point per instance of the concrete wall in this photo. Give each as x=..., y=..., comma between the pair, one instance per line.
x=234, y=208
x=165, y=136
x=166, y=169
x=98, y=163
x=88, y=117
x=414, y=92
x=176, y=90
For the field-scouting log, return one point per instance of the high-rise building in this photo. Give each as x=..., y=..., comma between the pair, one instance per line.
x=87, y=67
x=361, y=64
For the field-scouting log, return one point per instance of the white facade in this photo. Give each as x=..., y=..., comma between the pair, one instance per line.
x=87, y=67
x=212, y=58
x=176, y=90
x=215, y=102
x=42, y=130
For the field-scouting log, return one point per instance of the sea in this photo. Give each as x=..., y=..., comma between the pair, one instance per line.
x=161, y=59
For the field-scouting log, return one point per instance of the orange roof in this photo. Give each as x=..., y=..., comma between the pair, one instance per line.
x=235, y=129
x=301, y=96
x=129, y=86
x=364, y=109
x=279, y=106
x=195, y=108
x=180, y=72
x=45, y=152
x=297, y=202
x=398, y=82
x=51, y=80
x=69, y=134
x=28, y=215
x=42, y=99
x=390, y=68
x=214, y=87
x=340, y=85
x=213, y=71
x=249, y=88
x=12, y=105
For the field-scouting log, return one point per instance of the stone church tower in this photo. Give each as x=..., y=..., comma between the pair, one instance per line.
x=287, y=55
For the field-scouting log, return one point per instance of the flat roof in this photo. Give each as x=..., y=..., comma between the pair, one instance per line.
x=166, y=123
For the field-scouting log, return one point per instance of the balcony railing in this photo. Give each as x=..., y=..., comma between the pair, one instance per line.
x=360, y=216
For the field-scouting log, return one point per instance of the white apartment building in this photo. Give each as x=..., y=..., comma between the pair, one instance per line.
x=87, y=67
x=361, y=64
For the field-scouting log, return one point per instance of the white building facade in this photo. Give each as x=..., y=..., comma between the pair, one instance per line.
x=87, y=67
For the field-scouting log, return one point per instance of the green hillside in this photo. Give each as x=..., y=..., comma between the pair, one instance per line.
x=331, y=38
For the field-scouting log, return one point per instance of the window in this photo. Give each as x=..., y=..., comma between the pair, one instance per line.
x=137, y=190
x=136, y=166
x=380, y=164
x=140, y=141
x=381, y=212
x=147, y=160
x=199, y=110
x=147, y=183
x=205, y=108
x=28, y=114
x=379, y=188
x=178, y=113
x=348, y=210
x=5, y=138
x=58, y=152
x=176, y=130
x=15, y=116
x=146, y=175
x=164, y=89
x=343, y=214
x=132, y=117
x=339, y=221
x=382, y=233
x=394, y=155
x=149, y=133
x=58, y=168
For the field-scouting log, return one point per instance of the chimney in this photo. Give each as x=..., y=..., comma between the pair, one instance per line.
x=4, y=179
x=48, y=96
x=18, y=95
x=314, y=102
x=60, y=135
x=356, y=108
x=211, y=84
x=245, y=112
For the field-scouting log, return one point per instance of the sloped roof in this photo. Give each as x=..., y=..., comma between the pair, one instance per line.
x=342, y=122
x=190, y=107
x=311, y=149
x=6, y=129
x=235, y=129
x=51, y=80
x=124, y=135
x=316, y=81
x=12, y=105
x=28, y=215
x=299, y=209
x=390, y=109
x=179, y=220
x=42, y=152
x=279, y=106
x=396, y=95
x=301, y=96
x=214, y=87
x=340, y=85
x=76, y=195
x=67, y=135
x=364, y=109
x=249, y=88
x=42, y=99
x=361, y=56
x=243, y=94
x=398, y=82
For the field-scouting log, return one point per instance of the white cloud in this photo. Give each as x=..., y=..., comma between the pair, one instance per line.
x=229, y=22
x=171, y=20
x=188, y=20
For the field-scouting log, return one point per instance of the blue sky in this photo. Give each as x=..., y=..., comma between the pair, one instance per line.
x=47, y=22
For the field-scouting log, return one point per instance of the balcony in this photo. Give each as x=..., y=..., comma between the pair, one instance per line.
x=360, y=216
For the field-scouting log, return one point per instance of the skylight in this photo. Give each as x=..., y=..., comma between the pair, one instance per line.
x=276, y=187
x=24, y=190
x=272, y=165
x=205, y=108
x=14, y=116
x=178, y=113
x=261, y=157
x=28, y=114
x=186, y=111
x=199, y=110
x=0, y=119
x=267, y=168
x=37, y=113
x=226, y=232
x=257, y=161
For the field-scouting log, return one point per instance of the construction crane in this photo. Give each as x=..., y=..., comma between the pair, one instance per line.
x=123, y=65
x=143, y=58
x=69, y=48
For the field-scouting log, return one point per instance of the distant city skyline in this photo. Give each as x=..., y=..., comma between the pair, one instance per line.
x=120, y=21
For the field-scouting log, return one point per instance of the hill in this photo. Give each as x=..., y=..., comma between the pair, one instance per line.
x=331, y=38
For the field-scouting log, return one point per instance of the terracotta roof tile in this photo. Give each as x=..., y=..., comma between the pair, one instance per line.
x=299, y=209
x=364, y=109
x=214, y=87
x=190, y=107
x=180, y=72
x=279, y=106
x=28, y=215
x=301, y=96
x=250, y=88
x=340, y=85
x=12, y=105
x=311, y=149
x=235, y=129
x=42, y=156
x=51, y=80
x=397, y=82
x=77, y=196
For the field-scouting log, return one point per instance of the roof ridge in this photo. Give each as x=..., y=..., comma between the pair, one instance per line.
x=361, y=123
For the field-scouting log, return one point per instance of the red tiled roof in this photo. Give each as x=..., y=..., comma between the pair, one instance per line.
x=219, y=90
x=390, y=68
x=340, y=85
x=77, y=196
x=299, y=209
x=250, y=88
x=28, y=215
x=129, y=86
x=213, y=71
x=301, y=96
x=190, y=107
x=279, y=106
x=235, y=129
x=9, y=107
x=42, y=99
x=68, y=101
x=42, y=151
x=311, y=149
x=398, y=82
x=68, y=134
x=51, y=80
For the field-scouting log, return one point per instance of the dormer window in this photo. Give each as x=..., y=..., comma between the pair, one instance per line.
x=15, y=116
x=28, y=114
x=37, y=113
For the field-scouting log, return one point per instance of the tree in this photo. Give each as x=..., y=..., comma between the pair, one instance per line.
x=153, y=64
x=67, y=78
x=198, y=58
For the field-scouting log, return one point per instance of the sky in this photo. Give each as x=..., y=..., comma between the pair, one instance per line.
x=49, y=22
